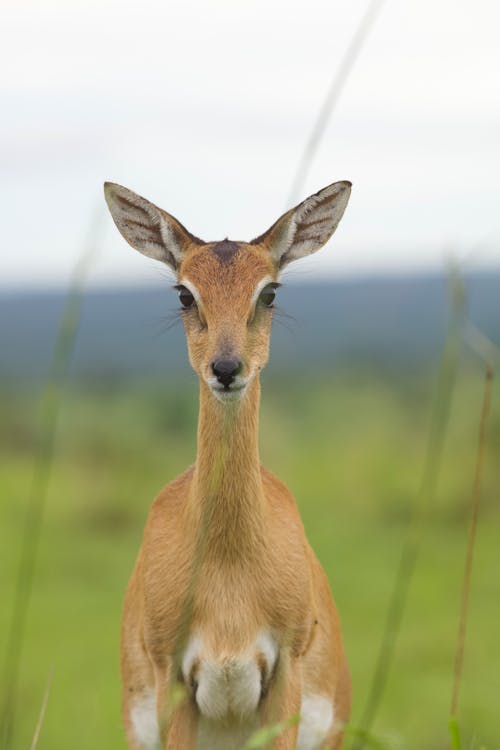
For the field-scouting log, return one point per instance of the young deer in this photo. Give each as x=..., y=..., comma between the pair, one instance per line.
x=227, y=598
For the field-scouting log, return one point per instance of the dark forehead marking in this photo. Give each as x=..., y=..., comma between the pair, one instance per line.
x=226, y=250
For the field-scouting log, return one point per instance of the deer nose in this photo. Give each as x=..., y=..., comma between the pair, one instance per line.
x=225, y=370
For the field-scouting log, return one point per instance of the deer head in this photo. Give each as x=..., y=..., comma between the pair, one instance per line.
x=227, y=289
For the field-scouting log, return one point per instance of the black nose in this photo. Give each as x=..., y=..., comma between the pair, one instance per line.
x=225, y=370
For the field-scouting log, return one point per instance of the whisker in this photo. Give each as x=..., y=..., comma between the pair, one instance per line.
x=285, y=319
x=166, y=322
x=166, y=274
x=303, y=271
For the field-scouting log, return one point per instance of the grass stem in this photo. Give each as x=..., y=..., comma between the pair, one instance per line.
x=43, y=710
x=336, y=87
x=50, y=406
x=476, y=494
x=423, y=501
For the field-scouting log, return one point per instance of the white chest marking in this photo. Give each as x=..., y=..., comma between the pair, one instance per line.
x=316, y=719
x=229, y=685
x=145, y=722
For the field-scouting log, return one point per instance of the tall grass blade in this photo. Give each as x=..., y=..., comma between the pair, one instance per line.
x=43, y=710
x=262, y=737
x=476, y=494
x=336, y=87
x=50, y=403
x=454, y=734
x=423, y=501
x=368, y=739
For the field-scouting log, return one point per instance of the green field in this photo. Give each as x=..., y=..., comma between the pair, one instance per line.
x=351, y=448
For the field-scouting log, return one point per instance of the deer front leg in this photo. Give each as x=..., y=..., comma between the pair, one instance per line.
x=177, y=713
x=182, y=728
x=283, y=701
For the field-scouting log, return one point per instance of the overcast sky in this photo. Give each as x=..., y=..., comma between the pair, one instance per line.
x=204, y=108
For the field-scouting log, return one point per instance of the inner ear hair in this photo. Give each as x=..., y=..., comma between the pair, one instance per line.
x=306, y=228
x=148, y=228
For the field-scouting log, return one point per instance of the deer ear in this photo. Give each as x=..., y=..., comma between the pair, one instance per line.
x=306, y=228
x=148, y=228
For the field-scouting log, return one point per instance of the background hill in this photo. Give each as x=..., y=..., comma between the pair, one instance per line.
x=393, y=322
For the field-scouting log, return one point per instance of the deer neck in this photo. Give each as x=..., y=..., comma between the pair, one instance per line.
x=227, y=492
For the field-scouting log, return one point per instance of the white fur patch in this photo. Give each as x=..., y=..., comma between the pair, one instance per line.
x=145, y=721
x=228, y=686
x=316, y=719
x=194, y=291
x=260, y=286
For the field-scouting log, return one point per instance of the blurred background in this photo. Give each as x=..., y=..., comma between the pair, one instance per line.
x=205, y=108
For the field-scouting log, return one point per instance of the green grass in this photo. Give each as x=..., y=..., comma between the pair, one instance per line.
x=351, y=449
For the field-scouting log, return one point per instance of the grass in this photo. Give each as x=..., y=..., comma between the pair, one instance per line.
x=351, y=449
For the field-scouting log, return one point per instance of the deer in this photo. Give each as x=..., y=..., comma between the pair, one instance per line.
x=228, y=622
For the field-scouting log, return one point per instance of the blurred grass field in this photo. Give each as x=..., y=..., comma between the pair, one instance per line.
x=351, y=449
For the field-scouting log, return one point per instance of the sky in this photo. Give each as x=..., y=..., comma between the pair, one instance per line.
x=204, y=108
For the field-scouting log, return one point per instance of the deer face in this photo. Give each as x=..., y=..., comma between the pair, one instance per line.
x=226, y=289
x=227, y=292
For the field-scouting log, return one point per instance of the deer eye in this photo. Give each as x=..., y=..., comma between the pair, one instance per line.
x=185, y=297
x=268, y=294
